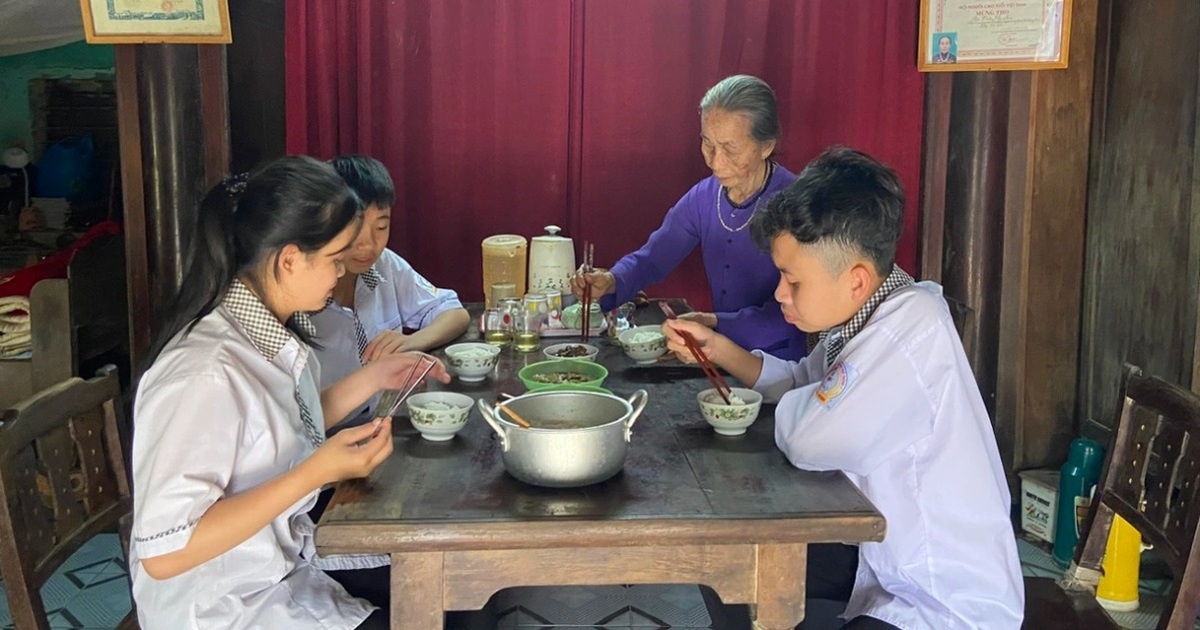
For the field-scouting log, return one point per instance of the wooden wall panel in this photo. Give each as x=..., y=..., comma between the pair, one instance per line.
x=1143, y=249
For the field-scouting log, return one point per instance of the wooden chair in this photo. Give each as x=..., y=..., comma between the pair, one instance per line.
x=62, y=481
x=1151, y=473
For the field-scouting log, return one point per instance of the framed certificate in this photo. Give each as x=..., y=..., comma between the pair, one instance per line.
x=156, y=21
x=965, y=35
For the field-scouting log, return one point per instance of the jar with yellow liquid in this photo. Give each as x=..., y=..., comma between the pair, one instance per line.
x=504, y=262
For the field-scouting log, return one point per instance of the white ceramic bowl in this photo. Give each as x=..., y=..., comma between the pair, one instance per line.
x=730, y=419
x=472, y=361
x=439, y=425
x=644, y=352
x=551, y=352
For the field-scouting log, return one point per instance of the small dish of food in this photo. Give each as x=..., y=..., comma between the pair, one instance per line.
x=577, y=351
x=732, y=418
x=472, y=361
x=644, y=344
x=562, y=372
x=439, y=415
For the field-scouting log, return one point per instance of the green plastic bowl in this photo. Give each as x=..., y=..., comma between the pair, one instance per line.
x=572, y=387
x=595, y=370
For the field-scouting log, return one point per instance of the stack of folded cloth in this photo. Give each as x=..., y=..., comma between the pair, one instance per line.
x=15, y=337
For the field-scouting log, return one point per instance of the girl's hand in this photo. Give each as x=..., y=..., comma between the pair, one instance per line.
x=392, y=371
x=353, y=453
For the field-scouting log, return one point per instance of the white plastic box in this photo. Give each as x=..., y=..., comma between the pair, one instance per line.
x=1039, y=503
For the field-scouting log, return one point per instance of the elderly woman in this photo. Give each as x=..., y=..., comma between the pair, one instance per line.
x=739, y=127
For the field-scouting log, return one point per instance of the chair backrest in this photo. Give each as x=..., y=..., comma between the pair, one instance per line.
x=62, y=481
x=1151, y=473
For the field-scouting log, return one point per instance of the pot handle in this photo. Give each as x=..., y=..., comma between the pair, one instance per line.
x=488, y=411
x=638, y=407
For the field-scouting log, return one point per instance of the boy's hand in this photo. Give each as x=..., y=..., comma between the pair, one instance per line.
x=392, y=370
x=704, y=337
x=388, y=342
x=353, y=453
x=602, y=281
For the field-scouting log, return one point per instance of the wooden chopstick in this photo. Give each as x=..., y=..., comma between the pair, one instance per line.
x=516, y=417
x=706, y=364
x=587, y=291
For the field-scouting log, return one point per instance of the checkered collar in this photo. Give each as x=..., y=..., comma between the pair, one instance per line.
x=371, y=278
x=263, y=328
x=836, y=338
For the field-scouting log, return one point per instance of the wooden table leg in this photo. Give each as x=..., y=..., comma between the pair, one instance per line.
x=417, y=591
x=780, y=590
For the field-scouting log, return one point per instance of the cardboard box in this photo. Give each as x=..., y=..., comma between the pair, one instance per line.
x=1039, y=502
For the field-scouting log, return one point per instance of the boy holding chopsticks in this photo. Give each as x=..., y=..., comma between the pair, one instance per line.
x=887, y=397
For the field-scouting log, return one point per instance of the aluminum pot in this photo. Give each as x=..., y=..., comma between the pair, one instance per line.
x=576, y=438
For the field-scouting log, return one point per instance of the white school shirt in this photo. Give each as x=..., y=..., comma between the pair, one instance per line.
x=391, y=295
x=217, y=414
x=900, y=413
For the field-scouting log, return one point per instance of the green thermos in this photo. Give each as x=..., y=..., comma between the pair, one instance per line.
x=1078, y=476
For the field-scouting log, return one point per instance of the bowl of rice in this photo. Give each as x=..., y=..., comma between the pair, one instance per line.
x=732, y=418
x=472, y=362
x=439, y=415
x=644, y=344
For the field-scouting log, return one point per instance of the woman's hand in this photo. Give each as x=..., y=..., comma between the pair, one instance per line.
x=393, y=370
x=708, y=320
x=704, y=337
x=388, y=342
x=354, y=452
x=602, y=282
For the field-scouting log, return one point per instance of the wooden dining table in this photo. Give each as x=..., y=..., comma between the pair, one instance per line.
x=689, y=507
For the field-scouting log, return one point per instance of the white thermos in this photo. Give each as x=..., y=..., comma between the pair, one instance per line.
x=551, y=262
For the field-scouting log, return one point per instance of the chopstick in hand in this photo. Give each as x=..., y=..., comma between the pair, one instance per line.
x=706, y=364
x=588, y=252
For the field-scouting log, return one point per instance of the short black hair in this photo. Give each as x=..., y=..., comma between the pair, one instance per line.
x=845, y=196
x=368, y=178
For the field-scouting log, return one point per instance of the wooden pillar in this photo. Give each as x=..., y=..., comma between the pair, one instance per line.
x=974, y=217
x=173, y=122
x=1045, y=228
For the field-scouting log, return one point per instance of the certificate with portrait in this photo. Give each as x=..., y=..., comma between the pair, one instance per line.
x=156, y=21
x=958, y=35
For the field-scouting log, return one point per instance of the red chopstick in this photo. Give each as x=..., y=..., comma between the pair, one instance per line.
x=706, y=364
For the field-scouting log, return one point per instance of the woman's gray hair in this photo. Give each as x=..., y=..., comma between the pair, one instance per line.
x=742, y=93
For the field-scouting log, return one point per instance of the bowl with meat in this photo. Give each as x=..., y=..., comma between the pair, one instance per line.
x=577, y=351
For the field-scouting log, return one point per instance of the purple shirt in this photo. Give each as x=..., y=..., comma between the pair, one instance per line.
x=741, y=276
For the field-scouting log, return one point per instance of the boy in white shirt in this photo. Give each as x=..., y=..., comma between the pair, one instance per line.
x=887, y=397
x=381, y=295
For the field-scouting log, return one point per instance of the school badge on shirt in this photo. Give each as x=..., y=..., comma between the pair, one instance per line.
x=839, y=379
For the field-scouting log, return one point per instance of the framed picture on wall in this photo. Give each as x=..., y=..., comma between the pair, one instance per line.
x=966, y=35
x=156, y=21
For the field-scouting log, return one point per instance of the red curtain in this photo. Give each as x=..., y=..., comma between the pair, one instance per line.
x=507, y=116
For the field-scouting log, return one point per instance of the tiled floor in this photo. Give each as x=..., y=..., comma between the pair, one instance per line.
x=92, y=592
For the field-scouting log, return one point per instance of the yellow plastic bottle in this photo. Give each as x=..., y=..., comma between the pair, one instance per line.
x=1118, y=587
